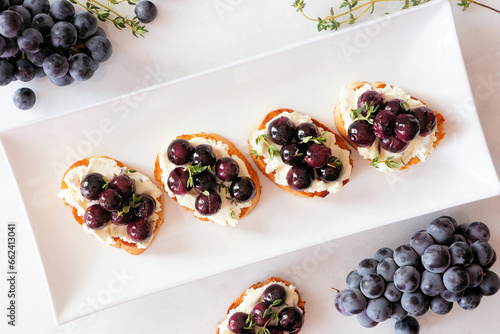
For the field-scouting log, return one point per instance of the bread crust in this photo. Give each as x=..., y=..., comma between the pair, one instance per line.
x=118, y=242
x=261, y=164
x=339, y=122
x=232, y=150
x=301, y=303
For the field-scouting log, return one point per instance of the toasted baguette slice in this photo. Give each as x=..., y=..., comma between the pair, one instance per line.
x=339, y=122
x=261, y=163
x=129, y=247
x=300, y=304
x=161, y=176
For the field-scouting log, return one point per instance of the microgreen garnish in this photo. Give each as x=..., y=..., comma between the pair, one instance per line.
x=318, y=140
x=134, y=202
x=193, y=170
x=388, y=162
x=250, y=322
x=232, y=201
x=352, y=10
x=221, y=186
x=370, y=113
x=334, y=162
x=272, y=150
x=107, y=12
x=129, y=171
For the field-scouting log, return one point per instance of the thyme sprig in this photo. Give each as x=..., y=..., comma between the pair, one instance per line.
x=134, y=202
x=318, y=140
x=352, y=10
x=389, y=162
x=370, y=113
x=272, y=150
x=193, y=170
x=250, y=321
x=106, y=12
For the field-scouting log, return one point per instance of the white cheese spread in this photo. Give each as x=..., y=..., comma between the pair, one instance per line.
x=281, y=169
x=230, y=211
x=108, y=168
x=420, y=147
x=253, y=296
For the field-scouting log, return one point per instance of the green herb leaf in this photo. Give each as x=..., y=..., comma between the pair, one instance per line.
x=233, y=215
x=254, y=154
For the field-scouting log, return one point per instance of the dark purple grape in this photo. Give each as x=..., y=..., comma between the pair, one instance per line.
x=332, y=171
x=353, y=279
x=386, y=268
x=393, y=144
x=179, y=151
x=11, y=24
x=379, y=309
x=456, y=279
x=398, y=312
x=121, y=218
x=274, y=330
x=458, y=238
x=300, y=177
x=81, y=67
x=367, y=266
x=145, y=11
x=258, y=313
x=470, y=299
x=24, y=98
x=451, y=296
x=110, y=200
x=96, y=217
x=420, y=241
x=242, y=189
x=442, y=229
x=370, y=99
x=477, y=231
x=306, y=129
x=85, y=24
x=338, y=303
x=360, y=132
x=292, y=153
x=43, y=23
x=203, y=154
x=177, y=181
x=227, y=169
x=25, y=14
x=383, y=253
x=426, y=118
x=7, y=72
x=274, y=294
x=281, y=130
x=365, y=321
x=139, y=230
x=62, y=10
x=38, y=57
x=55, y=65
x=37, y=6
x=483, y=252
x=63, y=35
x=440, y=306
x=396, y=106
x=123, y=184
x=431, y=284
x=404, y=255
x=204, y=181
x=413, y=302
x=353, y=301
x=317, y=155
x=492, y=261
x=209, y=204
x=65, y=80
x=146, y=208
x=436, y=258
x=407, y=325
x=25, y=71
x=407, y=127
x=475, y=273
x=461, y=254
x=100, y=48
x=392, y=293
x=237, y=322
x=290, y=319
x=490, y=283
x=3, y=45
x=372, y=286
x=92, y=185
x=384, y=123
x=407, y=279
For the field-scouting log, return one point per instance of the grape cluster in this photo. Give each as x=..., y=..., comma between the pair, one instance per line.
x=116, y=202
x=269, y=315
x=196, y=167
x=391, y=121
x=303, y=148
x=38, y=39
x=444, y=264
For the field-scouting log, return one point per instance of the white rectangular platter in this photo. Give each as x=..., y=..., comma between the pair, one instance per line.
x=84, y=276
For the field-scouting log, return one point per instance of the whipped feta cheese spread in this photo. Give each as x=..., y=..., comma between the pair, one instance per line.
x=420, y=147
x=108, y=168
x=281, y=169
x=230, y=211
x=253, y=296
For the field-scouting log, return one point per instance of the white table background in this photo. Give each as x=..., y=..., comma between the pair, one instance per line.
x=202, y=35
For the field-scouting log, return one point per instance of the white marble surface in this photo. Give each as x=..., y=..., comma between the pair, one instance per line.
x=199, y=36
